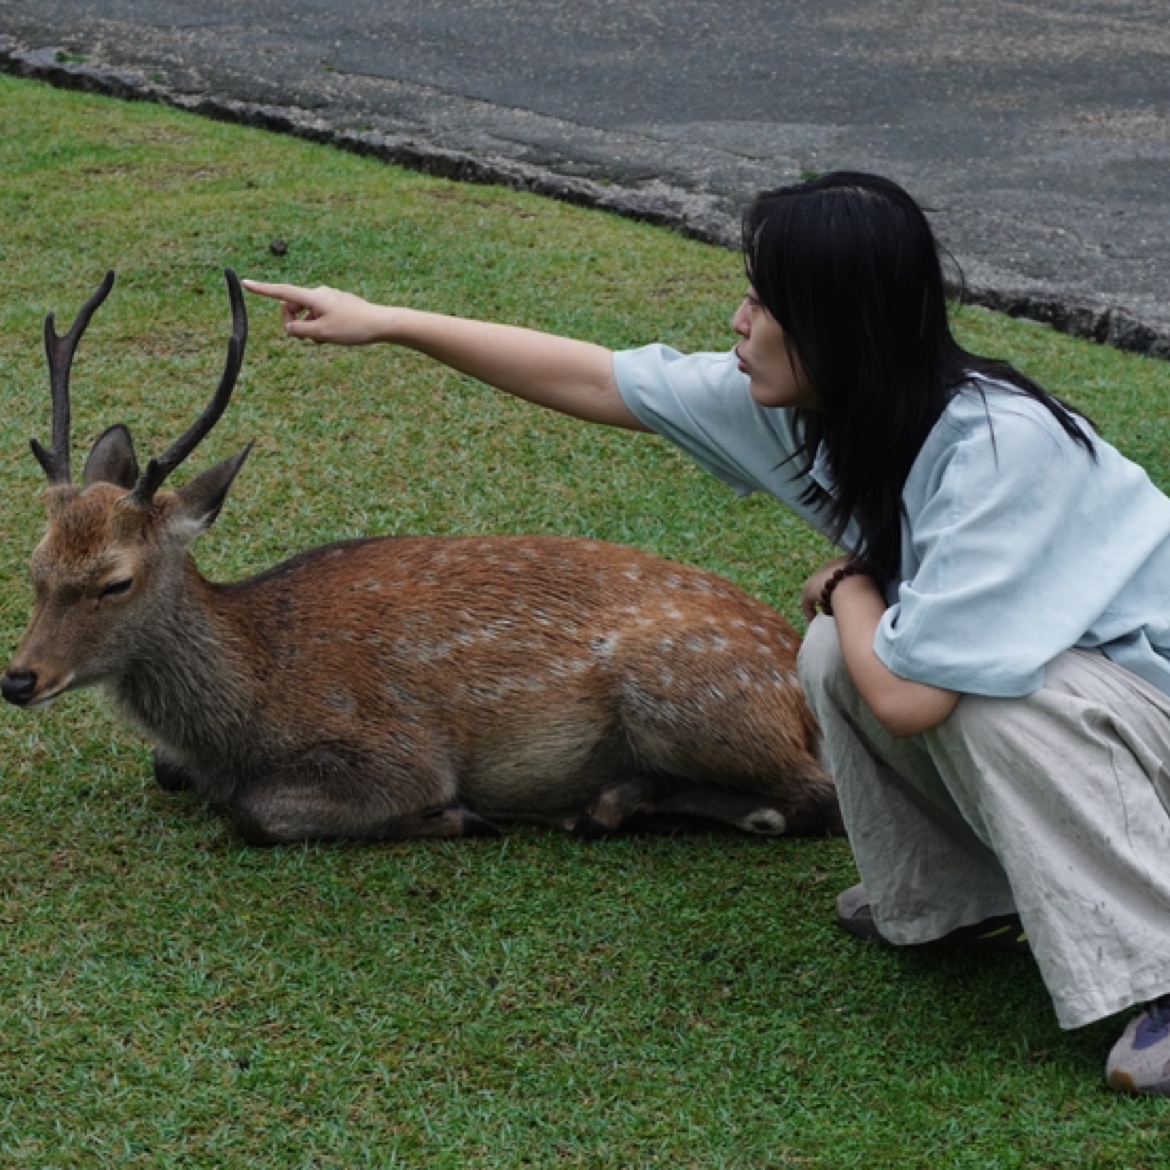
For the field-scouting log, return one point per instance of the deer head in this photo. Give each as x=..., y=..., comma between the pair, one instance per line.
x=116, y=548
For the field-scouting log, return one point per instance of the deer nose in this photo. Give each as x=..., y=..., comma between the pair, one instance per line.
x=18, y=688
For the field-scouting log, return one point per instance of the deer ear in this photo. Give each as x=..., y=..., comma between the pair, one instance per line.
x=202, y=498
x=112, y=459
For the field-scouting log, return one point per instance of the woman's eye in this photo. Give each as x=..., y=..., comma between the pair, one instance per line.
x=117, y=588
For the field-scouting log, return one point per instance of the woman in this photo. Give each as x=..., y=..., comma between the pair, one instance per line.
x=992, y=667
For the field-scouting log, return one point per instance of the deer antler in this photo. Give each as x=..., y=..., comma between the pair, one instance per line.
x=60, y=350
x=158, y=469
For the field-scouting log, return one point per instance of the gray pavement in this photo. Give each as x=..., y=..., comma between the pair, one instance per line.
x=1038, y=134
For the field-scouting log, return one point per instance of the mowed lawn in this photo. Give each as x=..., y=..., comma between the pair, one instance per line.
x=171, y=998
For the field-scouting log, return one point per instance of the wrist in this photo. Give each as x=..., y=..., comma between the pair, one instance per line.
x=392, y=325
x=838, y=576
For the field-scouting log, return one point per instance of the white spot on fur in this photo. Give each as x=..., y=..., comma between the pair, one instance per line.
x=605, y=646
x=633, y=572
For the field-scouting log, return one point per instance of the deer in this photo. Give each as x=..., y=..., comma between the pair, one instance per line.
x=407, y=686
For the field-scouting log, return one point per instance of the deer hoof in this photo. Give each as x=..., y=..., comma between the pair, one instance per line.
x=589, y=826
x=765, y=822
x=475, y=826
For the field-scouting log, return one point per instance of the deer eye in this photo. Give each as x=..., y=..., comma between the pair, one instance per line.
x=116, y=588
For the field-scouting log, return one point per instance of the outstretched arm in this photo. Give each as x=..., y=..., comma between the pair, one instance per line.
x=573, y=377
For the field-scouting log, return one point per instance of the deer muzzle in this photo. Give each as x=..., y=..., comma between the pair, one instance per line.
x=19, y=687
x=32, y=690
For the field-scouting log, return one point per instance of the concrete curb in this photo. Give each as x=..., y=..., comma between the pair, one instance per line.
x=687, y=212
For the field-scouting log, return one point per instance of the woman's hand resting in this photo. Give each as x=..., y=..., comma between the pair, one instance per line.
x=810, y=595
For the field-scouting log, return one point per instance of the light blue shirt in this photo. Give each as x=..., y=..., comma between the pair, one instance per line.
x=1016, y=544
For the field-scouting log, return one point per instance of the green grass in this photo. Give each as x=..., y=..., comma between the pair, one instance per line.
x=169, y=998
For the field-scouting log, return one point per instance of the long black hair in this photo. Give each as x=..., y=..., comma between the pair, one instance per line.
x=849, y=268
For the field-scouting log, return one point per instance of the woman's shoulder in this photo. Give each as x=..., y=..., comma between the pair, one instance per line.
x=995, y=412
x=994, y=439
x=660, y=361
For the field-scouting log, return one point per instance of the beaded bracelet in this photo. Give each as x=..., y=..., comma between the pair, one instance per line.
x=851, y=570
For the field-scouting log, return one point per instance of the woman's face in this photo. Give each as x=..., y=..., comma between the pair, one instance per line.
x=776, y=378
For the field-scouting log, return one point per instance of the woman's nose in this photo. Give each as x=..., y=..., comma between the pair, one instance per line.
x=739, y=322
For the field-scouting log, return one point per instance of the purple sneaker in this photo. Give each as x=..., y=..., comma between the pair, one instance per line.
x=1140, y=1060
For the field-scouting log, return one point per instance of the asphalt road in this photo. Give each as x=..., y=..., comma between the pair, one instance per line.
x=1039, y=135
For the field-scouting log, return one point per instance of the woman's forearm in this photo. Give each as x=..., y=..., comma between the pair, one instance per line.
x=574, y=377
x=902, y=707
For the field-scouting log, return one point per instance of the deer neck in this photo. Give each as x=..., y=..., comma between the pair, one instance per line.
x=185, y=686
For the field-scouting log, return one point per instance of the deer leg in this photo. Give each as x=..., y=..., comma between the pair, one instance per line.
x=740, y=810
x=614, y=807
x=171, y=776
x=278, y=817
x=659, y=805
x=325, y=797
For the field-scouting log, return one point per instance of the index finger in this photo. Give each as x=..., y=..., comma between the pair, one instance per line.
x=279, y=292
